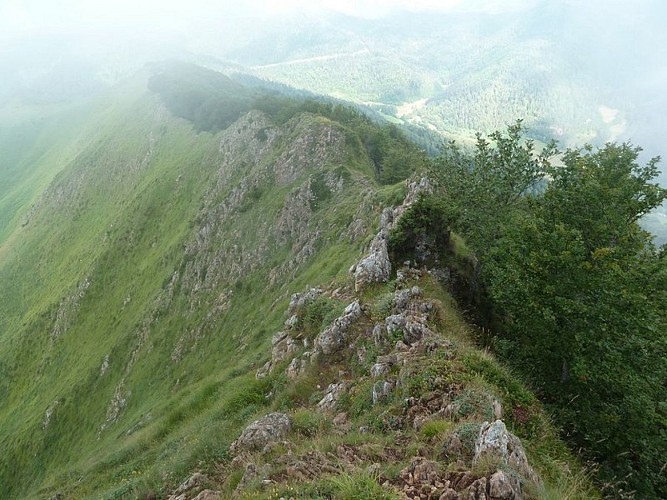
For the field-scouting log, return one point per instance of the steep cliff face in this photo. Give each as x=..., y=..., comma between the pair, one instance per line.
x=140, y=297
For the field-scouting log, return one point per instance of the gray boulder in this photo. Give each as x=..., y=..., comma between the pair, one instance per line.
x=269, y=429
x=334, y=337
x=476, y=491
x=403, y=297
x=283, y=347
x=330, y=399
x=502, y=486
x=381, y=390
x=208, y=495
x=374, y=268
x=300, y=300
x=412, y=326
x=295, y=368
x=494, y=439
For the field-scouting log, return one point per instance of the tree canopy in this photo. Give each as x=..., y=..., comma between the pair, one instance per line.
x=578, y=290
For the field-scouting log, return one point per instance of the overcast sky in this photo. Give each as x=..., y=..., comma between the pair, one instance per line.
x=29, y=17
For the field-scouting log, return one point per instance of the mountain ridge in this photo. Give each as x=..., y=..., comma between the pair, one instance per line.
x=140, y=295
x=116, y=206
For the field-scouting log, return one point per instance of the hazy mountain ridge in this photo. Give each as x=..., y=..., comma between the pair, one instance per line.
x=155, y=226
x=564, y=70
x=113, y=228
x=139, y=295
x=413, y=56
x=554, y=64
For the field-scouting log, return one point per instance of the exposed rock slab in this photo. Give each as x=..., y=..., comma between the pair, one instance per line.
x=268, y=429
x=494, y=439
x=374, y=268
x=330, y=399
x=334, y=337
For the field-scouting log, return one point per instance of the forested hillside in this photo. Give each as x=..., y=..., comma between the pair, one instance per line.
x=559, y=66
x=456, y=73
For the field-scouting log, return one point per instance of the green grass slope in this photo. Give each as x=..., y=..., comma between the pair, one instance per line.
x=35, y=141
x=146, y=283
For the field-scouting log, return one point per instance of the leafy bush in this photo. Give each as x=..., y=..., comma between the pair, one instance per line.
x=309, y=422
x=427, y=218
x=359, y=486
x=576, y=287
x=384, y=305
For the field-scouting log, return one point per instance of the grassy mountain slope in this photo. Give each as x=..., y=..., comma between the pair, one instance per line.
x=35, y=140
x=139, y=295
x=350, y=439
x=147, y=274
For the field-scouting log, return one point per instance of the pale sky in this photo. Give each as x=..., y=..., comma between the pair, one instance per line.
x=29, y=17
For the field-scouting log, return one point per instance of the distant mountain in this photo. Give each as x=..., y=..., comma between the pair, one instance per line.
x=572, y=73
x=565, y=69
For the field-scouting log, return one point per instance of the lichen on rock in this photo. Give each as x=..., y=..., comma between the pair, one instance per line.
x=333, y=337
x=262, y=432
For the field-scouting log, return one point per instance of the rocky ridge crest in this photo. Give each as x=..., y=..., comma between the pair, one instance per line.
x=377, y=352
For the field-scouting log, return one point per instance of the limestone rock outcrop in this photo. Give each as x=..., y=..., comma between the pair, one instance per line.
x=268, y=429
x=333, y=338
x=494, y=439
x=376, y=266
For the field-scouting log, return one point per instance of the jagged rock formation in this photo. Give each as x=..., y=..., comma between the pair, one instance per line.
x=376, y=267
x=333, y=338
x=138, y=299
x=67, y=309
x=192, y=488
x=373, y=268
x=489, y=464
x=496, y=441
x=215, y=258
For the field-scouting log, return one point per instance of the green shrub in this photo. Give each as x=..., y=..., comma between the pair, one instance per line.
x=468, y=433
x=309, y=422
x=474, y=403
x=360, y=486
x=318, y=315
x=436, y=428
x=299, y=392
x=426, y=218
x=320, y=190
x=359, y=399
x=247, y=399
x=384, y=305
